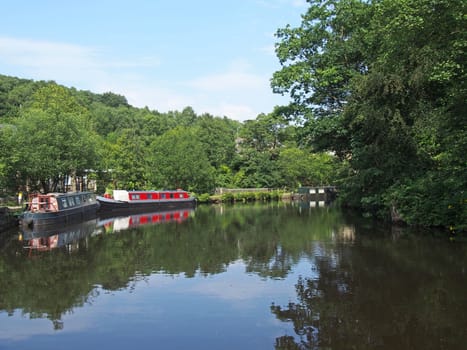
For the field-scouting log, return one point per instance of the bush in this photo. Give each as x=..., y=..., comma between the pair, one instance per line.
x=263, y=196
x=203, y=198
x=276, y=195
x=227, y=197
x=435, y=199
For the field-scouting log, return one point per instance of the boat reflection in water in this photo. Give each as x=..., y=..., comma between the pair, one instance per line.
x=55, y=236
x=72, y=236
x=121, y=223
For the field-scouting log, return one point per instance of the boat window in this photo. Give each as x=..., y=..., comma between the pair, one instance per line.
x=171, y=195
x=135, y=196
x=64, y=202
x=162, y=195
x=77, y=200
x=71, y=201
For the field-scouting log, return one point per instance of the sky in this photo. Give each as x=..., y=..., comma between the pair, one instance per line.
x=216, y=56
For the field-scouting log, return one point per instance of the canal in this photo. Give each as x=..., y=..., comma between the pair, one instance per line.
x=256, y=276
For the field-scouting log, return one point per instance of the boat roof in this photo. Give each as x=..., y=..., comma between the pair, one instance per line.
x=149, y=191
x=61, y=194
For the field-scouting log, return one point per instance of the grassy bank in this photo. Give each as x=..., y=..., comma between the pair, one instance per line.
x=243, y=197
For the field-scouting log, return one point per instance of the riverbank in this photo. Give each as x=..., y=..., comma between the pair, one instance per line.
x=232, y=197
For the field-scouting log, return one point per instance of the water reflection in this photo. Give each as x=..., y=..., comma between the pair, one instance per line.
x=49, y=237
x=122, y=223
x=52, y=237
x=313, y=278
x=380, y=293
x=74, y=261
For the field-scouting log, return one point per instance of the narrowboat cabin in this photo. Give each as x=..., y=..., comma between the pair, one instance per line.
x=144, y=201
x=59, y=208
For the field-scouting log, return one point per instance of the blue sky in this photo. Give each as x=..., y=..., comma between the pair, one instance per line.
x=216, y=56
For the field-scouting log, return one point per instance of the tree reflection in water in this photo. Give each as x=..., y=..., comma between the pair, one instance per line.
x=387, y=294
x=364, y=289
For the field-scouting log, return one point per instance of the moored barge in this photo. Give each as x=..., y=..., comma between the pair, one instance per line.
x=59, y=208
x=140, y=201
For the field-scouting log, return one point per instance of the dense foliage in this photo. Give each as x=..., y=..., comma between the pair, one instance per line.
x=51, y=135
x=382, y=84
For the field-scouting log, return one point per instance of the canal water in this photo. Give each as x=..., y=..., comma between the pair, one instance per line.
x=256, y=276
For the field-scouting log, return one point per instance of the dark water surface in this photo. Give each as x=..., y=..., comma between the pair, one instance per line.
x=275, y=276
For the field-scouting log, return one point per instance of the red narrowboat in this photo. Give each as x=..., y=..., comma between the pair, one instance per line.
x=141, y=201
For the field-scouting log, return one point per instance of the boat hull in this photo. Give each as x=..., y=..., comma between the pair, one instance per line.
x=65, y=216
x=107, y=205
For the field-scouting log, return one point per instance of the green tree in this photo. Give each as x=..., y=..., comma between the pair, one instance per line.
x=294, y=168
x=53, y=139
x=218, y=136
x=16, y=94
x=259, y=145
x=382, y=83
x=8, y=176
x=126, y=154
x=178, y=159
x=48, y=148
x=302, y=168
x=113, y=100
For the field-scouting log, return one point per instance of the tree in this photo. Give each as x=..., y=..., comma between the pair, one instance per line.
x=16, y=94
x=380, y=83
x=218, y=137
x=49, y=148
x=292, y=162
x=259, y=145
x=178, y=159
x=113, y=100
x=8, y=176
x=53, y=139
x=301, y=168
x=125, y=157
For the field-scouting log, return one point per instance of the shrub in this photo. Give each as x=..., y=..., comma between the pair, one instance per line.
x=203, y=198
x=227, y=197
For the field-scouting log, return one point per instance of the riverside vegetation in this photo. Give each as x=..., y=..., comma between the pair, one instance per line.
x=377, y=109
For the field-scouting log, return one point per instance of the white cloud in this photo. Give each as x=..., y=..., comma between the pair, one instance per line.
x=32, y=53
x=164, y=99
x=236, y=92
x=236, y=77
x=64, y=62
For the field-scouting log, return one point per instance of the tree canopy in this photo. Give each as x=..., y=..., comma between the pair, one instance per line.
x=52, y=133
x=383, y=84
